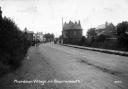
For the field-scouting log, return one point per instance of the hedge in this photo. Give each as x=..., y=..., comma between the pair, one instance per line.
x=13, y=44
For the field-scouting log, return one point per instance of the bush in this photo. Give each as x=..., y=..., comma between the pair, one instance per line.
x=84, y=41
x=13, y=44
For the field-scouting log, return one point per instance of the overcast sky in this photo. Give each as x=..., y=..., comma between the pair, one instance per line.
x=46, y=15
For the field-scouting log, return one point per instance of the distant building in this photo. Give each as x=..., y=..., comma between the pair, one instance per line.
x=29, y=34
x=72, y=33
x=107, y=29
x=39, y=36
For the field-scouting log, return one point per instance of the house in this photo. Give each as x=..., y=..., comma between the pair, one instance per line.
x=39, y=36
x=71, y=33
x=28, y=34
x=107, y=29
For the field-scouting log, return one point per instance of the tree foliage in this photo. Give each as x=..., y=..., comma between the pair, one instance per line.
x=101, y=38
x=91, y=33
x=122, y=29
x=49, y=37
x=84, y=41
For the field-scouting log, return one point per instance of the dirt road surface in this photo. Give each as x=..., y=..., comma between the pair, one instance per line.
x=52, y=66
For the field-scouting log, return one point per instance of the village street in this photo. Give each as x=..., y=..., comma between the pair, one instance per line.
x=62, y=67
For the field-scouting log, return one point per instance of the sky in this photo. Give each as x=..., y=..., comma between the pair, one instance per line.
x=46, y=15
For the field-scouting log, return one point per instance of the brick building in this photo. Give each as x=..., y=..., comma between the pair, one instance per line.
x=71, y=33
x=28, y=34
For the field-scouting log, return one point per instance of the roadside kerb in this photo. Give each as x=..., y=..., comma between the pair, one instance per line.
x=122, y=53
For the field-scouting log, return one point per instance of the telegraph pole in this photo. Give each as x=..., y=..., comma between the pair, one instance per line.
x=62, y=23
x=62, y=31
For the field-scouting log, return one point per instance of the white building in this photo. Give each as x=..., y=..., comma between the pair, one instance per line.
x=39, y=36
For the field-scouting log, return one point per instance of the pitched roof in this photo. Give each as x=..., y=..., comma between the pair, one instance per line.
x=71, y=25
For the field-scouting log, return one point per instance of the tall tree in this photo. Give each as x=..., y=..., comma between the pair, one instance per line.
x=122, y=29
x=91, y=33
x=49, y=37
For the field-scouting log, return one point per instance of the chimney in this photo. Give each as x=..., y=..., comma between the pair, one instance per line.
x=79, y=22
x=75, y=22
x=106, y=24
x=70, y=22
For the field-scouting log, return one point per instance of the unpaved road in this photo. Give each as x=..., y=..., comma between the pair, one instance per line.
x=88, y=69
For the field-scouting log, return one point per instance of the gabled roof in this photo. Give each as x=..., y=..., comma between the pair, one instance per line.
x=102, y=26
x=106, y=29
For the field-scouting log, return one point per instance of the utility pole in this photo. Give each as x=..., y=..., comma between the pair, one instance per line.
x=62, y=27
x=62, y=23
x=62, y=31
